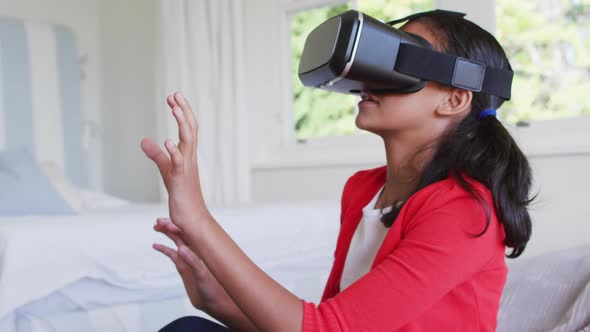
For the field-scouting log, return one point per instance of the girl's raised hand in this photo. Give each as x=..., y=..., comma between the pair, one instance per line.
x=179, y=170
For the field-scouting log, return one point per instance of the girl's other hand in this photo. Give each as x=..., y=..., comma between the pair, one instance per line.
x=203, y=290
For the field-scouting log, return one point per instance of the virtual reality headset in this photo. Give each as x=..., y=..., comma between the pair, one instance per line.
x=352, y=52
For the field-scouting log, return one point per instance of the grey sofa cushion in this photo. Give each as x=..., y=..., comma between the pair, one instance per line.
x=550, y=292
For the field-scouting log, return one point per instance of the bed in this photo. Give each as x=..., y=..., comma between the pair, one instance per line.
x=89, y=265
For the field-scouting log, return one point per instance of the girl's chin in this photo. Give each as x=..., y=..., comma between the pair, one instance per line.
x=370, y=124
x=363, y=124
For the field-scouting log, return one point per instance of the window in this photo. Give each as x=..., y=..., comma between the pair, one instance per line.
x=548, y=44
x=317, y=112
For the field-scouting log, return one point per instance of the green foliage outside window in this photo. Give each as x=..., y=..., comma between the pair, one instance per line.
x=548, y=45
x=547, y=42
x=317, y=112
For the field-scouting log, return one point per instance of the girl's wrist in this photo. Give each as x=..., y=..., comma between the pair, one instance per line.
x=188, y=221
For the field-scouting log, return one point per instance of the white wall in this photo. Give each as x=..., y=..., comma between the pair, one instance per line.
x=128, y=39
x=265, y=87
x=481, y=12
x=561, y=214
x=79, y=15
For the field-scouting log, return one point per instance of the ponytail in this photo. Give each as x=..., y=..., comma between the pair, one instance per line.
x=480, y=148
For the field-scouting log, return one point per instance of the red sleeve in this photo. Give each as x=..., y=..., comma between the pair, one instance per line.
x=348, y=189
x=349, y=185
x=437, y=252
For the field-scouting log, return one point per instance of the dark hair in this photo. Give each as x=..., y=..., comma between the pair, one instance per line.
x=481, y=149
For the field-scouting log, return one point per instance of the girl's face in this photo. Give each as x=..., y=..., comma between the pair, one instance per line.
x=394, y=114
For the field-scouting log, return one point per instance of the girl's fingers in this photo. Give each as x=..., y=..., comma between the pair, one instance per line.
x=171, y=102
x=164, y=221
x=170, y=232
x=175, y=238
x=184, y=131
x=155, y=153
x=183, y=103
x=171, y=253
x=192, y=259
x=181, y=266
x=187, y=110
x=175, y=156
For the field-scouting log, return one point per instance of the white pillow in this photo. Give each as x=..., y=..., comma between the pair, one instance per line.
x=62, y=185
x=78, y=199
x=92, y=200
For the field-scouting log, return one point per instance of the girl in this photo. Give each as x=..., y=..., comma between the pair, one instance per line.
x=422, y=239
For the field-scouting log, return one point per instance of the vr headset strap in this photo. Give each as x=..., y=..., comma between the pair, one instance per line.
x=454, y=71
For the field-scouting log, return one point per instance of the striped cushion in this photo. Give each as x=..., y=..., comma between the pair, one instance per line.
x=40, y=94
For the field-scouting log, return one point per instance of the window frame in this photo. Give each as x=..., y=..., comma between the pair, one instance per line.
x=569, y=136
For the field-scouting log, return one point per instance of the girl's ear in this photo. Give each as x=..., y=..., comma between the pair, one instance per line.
x=457, y=102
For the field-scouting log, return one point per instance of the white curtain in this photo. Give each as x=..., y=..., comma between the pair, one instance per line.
x=201, y=55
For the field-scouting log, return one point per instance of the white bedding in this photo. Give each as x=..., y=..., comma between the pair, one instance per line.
x=110, y=248
x=128, y=317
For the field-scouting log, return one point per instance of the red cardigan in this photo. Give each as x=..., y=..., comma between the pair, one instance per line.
x=429, y=274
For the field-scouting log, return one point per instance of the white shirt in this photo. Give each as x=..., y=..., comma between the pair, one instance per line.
x=365, y=243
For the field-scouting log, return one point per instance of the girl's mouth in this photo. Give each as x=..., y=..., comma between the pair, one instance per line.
x=367, y=98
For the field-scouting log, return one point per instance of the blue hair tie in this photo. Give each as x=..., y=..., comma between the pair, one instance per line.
x=487, y=112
